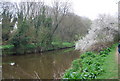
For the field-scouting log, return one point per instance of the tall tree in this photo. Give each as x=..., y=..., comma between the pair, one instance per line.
x=8, y=21
x=60, y=10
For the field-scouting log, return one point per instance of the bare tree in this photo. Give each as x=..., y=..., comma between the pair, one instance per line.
x=8, y=18
x=59, y=11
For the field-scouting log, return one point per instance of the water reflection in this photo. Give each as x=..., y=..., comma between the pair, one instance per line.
x=49, y=65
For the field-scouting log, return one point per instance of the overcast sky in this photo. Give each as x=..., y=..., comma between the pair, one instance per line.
x=91, y=8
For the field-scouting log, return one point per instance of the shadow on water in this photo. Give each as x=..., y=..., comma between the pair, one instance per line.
x=48, y=65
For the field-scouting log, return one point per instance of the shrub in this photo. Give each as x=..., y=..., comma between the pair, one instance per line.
x=89, y=66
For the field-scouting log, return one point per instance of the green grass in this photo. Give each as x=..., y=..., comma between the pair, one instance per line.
x=67, y=44
x=56, y=44
x=102, y=65
x=62, y=44
x=110, y=66
x=6, y=46
x=8, y=49
x=119, y=71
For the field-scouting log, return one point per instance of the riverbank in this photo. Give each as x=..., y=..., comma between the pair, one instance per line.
x=31, y=48
x=92, y=65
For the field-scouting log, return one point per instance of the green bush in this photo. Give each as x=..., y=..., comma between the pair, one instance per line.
x=89, y=66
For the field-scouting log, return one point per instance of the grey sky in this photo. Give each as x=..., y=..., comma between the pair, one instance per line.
x=89, y=8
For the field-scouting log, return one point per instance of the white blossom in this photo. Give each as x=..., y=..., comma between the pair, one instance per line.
x=102, y=30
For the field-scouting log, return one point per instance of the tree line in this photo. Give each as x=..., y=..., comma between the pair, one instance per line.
x=34, y=23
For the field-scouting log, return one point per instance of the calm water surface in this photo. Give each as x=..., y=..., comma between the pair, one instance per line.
x=48, y=65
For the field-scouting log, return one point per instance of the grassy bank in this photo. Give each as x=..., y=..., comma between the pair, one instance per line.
x=110, y=66
x=94, y=66
x=31, y=48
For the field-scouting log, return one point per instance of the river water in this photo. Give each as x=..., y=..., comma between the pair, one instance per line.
x=47, y=65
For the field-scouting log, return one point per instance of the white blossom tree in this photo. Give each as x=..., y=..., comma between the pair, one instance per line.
x=103, y=29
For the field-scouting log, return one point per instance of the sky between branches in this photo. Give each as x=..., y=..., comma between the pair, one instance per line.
x=88, y=8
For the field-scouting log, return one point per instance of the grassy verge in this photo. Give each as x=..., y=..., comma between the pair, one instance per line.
x=8, y=49
x=110, y=66
x=94, y=66
x=119, y=69
x=55, y=44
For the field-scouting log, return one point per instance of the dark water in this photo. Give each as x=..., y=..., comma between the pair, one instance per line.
x=49, y=65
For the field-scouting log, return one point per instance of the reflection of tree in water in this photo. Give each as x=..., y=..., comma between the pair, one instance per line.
x=49, y=65
x=20, y=71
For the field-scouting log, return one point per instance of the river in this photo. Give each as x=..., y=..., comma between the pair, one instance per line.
x=47, y=65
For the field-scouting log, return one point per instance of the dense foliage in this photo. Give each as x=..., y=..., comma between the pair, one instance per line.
x=89, y=66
